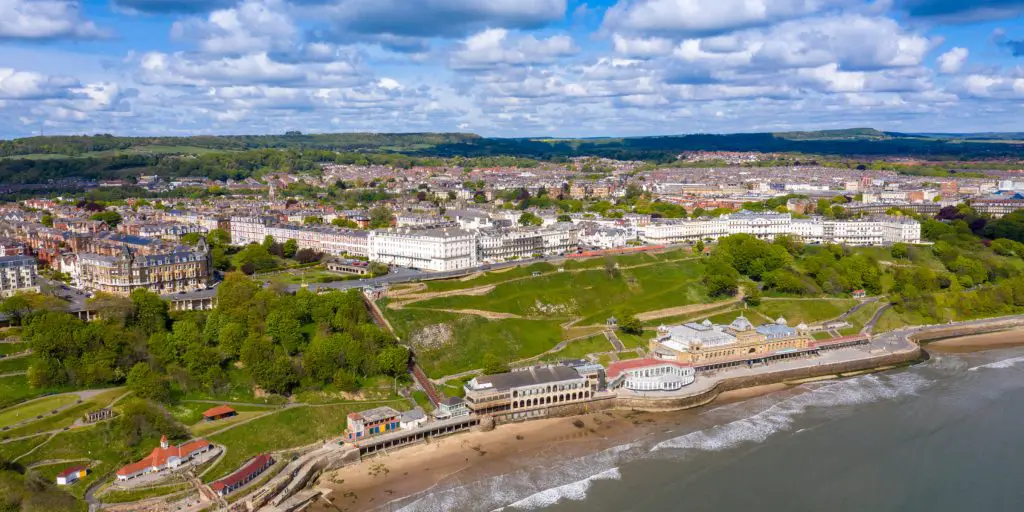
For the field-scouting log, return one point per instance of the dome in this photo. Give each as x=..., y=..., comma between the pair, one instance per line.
x=741, y=324
x=781, y=321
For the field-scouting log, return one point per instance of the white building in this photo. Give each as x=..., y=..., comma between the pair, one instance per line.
x=17, y=274
x=249, y=230
x=650, y=375
x=322, y=238
x=438, y=250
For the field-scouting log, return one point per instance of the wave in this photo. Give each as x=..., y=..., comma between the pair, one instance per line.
x=781, y=416
x=1004, y=363
x=575, y=491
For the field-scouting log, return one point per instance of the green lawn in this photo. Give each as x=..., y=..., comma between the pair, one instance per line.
x=310, y=276
x=238, y=389
x=14, y=449
x=203, y=428
x=67, y=417
x=861, y=317
x=822, y=335
x=31, y=410
x=593, y=294
x=892, y=319
x=16, y=364
x=422, y=400
x=454, y=387
x=12, y=348
x=291, y=428
x=471, y=337
x=142, y=494
x=804, y=311
x=16, y=389
x=580, y=348
x=635, y=341
x=486, y=278
x=93, y=443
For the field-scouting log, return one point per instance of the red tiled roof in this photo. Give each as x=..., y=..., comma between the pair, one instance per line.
x=614, y=369
x=220, y=410
x=159, y=456
x=242, y=474
x=71, y=470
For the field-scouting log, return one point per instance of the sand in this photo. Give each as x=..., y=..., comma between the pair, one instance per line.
x=465, y=457
x=977, y=342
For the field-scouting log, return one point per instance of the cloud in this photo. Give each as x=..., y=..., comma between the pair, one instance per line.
x=494, y=47
x=404, y=25
x=1015, y=46
x=687, y=18
x=641, y=47
x=45, y=19
x=951, y=61
x=251, y=26
x=171, y=6
x=962, y=11
x=26, y=85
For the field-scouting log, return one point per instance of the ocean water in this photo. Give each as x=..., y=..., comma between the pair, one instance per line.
x=945, y=435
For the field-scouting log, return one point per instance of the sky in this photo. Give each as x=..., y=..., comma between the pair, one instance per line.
x=509, y=68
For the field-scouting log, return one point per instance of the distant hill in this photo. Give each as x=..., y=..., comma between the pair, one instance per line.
x=847, y=134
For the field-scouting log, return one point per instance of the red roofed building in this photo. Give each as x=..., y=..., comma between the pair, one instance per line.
x=71, y=475
x=246, y=474
x=218, y=413
x=164, y=457
x=649, y=375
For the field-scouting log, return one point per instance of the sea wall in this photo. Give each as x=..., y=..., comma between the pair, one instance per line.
x=969, y=330
x=734, y=383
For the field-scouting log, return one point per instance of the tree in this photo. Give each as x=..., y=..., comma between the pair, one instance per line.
x=268, y=243
x=146, y=383
x=110, y=218
x=345, y=223
x=530, y=219
x=47, y=220
x=312, y=219
x=564, y=218
x=699, y=247
x=290, y=248
x=381, y=217
x=631, y=325
x=254, y=258
x=150, y=312
x=218, y=238
x=493, y=365
x=378, y=269
x=16, y=306
x=191, y=238
x=393, y=360
x=753, y=296
x=900, y=251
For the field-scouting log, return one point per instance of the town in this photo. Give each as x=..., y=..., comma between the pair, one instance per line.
x=381, y=307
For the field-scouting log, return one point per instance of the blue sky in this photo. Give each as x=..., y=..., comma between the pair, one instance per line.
x=509, y=67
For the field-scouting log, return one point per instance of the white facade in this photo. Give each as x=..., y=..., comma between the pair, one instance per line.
x=872, y=231
x=658, y=376
x=249, y=230
x=429, y=249
x=17, y=274
x=326, y=239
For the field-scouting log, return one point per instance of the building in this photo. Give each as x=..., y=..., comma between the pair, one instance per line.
x=438, y=249
x=347, y=266
x=327, y=239
x=244, y=475
x=526, y=390
x=103, y=414
x=650, y=375
x=72, y=475
x=218, y=413
x=412, y=419
x=179, y=269
x=250, y=230
x=164, y=457
x=17, y=274
x=708, y=346
x=451, y=407
x=372, y=422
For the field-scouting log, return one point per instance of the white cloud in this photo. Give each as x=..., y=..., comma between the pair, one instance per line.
x=45, y=19
x=684, y=18
x=27, y=85
x=496, y=47
x=251, y=26
x=641, y=47
x=951, y=61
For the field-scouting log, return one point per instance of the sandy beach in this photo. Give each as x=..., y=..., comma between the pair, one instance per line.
x=465, y=457
x=978, y=342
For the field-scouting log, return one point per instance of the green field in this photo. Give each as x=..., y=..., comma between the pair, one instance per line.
x=11, y=348
x=471, y=337
x=454, y=387
x=893, y=319
x=16, y=389
x=91, y=443
x=142, y=494
x=634, y=340
x=31, y=410
x=580, y=348
x=16, y=364
x=291, y=428
x=14, y=449
x=67, y=417
x=797, y=311
x=140, y=150
x=486, y=278
x=190, y=413
x=422, y=400
x=594, y=294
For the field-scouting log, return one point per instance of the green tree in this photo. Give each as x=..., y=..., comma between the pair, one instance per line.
x=110, y=218
x=345, y=223
x=150, y=312
x=381, y=217
x=492, y=364
x=312, y=219
x=900, y=251
x=254, y=258
x=191, y=238
x=146, y=383
x=699, y=247
x=218, y=238
x=47, y=220
x=530, y=219
x=629, y=324
x=393, y=361
x=290, y=248
x=16, y=306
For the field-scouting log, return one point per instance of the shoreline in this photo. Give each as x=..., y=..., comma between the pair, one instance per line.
x=1005, y=338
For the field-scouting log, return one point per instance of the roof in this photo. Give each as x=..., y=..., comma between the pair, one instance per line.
x=243, y=474
x=70, y=471
x=375, y=414
x=220, y=410
x=616, y=368
x=414, y=415
x=451, y=401
x=159, y=456
x=532, y=376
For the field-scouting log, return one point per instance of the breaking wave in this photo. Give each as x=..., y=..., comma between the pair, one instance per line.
x=575, y=491
x=781, y=416
x=1004, y=363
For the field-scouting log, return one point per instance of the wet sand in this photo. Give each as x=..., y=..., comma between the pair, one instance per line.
x=978, y=342
x=471, y=456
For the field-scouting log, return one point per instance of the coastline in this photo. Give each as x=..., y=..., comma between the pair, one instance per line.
x=1007, y=338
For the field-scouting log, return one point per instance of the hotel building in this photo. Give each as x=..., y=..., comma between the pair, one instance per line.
x=437, y=249
x=17, y=274
x=527, y=390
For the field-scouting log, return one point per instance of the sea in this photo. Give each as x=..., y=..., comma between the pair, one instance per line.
x=943, y=435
